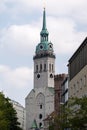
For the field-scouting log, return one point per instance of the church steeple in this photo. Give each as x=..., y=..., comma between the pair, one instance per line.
x=44, y=33
x=44, y=48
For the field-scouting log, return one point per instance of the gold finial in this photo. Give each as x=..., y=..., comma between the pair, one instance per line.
x=44, y=4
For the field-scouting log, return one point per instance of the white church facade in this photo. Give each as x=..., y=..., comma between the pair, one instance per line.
x=40, y=101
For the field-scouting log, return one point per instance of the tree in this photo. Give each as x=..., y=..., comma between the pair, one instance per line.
x=76, y=114
x=73, y=115
x=8, y=116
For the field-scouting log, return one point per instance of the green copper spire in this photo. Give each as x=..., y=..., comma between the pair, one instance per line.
x=44, y=33
x=44, y=20
x=45, y=47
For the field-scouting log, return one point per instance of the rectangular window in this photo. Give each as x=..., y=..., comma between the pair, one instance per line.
x=44, y=67
x=77, y=86
x=36, y=68
x=74, y=89
x=84, y=82
x=40, y=106
x=80, y=83
x=49, y=67
x=40, y=67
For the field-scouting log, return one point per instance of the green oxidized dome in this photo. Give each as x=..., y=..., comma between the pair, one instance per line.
x=44, y=47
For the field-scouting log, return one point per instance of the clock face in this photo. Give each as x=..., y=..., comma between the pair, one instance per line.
x=41, y=47
x=50, y=46
x=38, y=76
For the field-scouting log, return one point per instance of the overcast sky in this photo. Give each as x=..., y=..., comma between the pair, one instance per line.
x=20, y=26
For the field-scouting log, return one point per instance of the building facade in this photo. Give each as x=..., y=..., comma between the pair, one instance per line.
x=58, y=80
x=21, y=113
x=77, y=68
x=64, y=86
x=40, y=101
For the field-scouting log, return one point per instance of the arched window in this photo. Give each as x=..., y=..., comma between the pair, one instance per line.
x=36, y=68
x=40, y=67
x=40, y=116
x=49, y=67
x=41, y=106
x=44, y=67
x=40, y=124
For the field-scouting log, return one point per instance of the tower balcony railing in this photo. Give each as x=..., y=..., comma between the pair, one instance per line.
x=43, y=55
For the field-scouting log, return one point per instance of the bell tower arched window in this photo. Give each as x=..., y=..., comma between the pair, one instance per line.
x=40, y=67
x=36, y=68
x=44, y=67
x=49, y=67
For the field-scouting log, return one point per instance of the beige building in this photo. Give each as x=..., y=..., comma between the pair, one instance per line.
x=77, y=68
x=20, y=113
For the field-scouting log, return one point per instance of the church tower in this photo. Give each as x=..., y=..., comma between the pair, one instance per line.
x=44, y=60
x=40, y=101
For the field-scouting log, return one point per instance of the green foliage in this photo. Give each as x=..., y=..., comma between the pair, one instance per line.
x=77, y=114
x=8, y=116
x=73, y=115
x=52, y=126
